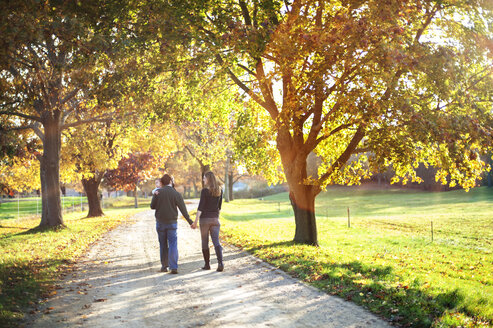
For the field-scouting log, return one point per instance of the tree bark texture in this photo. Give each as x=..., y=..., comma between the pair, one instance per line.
x=226, y=181
x=230, y=186
x=91, y=187
x=302, y=197
x=51, y=215
x=304, y=215
x=203, y=169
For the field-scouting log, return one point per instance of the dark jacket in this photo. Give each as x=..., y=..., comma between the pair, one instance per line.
x=165, y=204
x=209, y=205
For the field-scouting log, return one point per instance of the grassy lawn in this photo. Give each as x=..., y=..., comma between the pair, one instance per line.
x=32, y=261
x=386, y=261
x=10, y=208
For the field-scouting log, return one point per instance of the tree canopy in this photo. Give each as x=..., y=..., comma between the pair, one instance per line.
x=365, y=85
x=399, y=82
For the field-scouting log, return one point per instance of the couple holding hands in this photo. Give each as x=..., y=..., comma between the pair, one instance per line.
x=166, y=200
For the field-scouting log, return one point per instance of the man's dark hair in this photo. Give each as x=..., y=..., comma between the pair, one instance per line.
x=166, y=179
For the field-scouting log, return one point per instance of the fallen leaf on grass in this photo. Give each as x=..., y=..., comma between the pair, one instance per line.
x=100, y=299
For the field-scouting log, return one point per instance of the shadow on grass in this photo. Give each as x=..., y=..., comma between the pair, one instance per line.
x=21, y=285
x=374, y=287
x=36, y=230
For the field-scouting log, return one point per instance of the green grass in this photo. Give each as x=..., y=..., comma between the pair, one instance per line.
x=33, y=260
x=386, y=260
x=32, y=206
x=10, y=208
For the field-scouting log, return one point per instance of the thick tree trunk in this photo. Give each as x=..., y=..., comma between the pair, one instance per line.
x=302, y=196
x=136, y=203
x=91, y=187
x=304, y=216
x=50, y=174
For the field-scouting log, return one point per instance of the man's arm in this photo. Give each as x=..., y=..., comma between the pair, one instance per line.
x=154, y=201
x=183, y=209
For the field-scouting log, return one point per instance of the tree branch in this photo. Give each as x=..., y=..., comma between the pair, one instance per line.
x=312, y=140
x=7, y=104
x=427, y=22
x=331, y=133
x=248, y=70
x=238, y=82
x=29, y=117
x=245, y=13
x=266, y=90
x=38, y=131
x=69, y=96
x=34, y=127
x=103, y=118
x=361, y=150
x=343, y=158
x=194, y=156
x=19, y=128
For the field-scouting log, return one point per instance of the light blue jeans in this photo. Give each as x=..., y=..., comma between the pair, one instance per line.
x=168, y=244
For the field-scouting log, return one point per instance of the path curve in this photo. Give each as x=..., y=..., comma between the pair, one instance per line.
x=117, y=284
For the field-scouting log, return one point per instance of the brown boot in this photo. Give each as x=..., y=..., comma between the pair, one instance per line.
x=219, y=254
x=207, y=255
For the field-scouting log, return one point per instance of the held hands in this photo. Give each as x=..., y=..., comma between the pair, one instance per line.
x=194, y=225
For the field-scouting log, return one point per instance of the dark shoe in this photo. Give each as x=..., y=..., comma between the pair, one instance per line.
x=174, y=271
x=219, y=254
x=164, y=269
x=207, y=255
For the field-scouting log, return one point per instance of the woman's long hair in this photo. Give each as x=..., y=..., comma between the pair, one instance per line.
x=212, y=184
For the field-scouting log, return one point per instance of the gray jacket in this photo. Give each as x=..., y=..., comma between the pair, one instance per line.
x=166, y=203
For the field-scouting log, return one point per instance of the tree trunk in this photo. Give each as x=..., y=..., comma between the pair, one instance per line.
x=136, y=204
x=230, y=186
x=226, y=181
x=203, y=169
x=50, y=173
x=195, y=190
x=302, y=196
x=91, y=187
x=304, y=216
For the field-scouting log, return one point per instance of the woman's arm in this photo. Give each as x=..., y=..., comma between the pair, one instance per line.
x=194, y=224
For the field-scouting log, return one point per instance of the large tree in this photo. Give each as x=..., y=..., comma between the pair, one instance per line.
x=401, y=81
x=55, y=58
x=89, y=158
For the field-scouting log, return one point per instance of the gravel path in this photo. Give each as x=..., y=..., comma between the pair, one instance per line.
x=117, y=284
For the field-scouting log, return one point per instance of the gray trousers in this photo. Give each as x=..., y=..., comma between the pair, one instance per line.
x=209, y=226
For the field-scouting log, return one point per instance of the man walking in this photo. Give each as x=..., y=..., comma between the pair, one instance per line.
x=165, y=201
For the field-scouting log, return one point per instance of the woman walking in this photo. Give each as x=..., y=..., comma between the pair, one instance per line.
x=210, y=203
